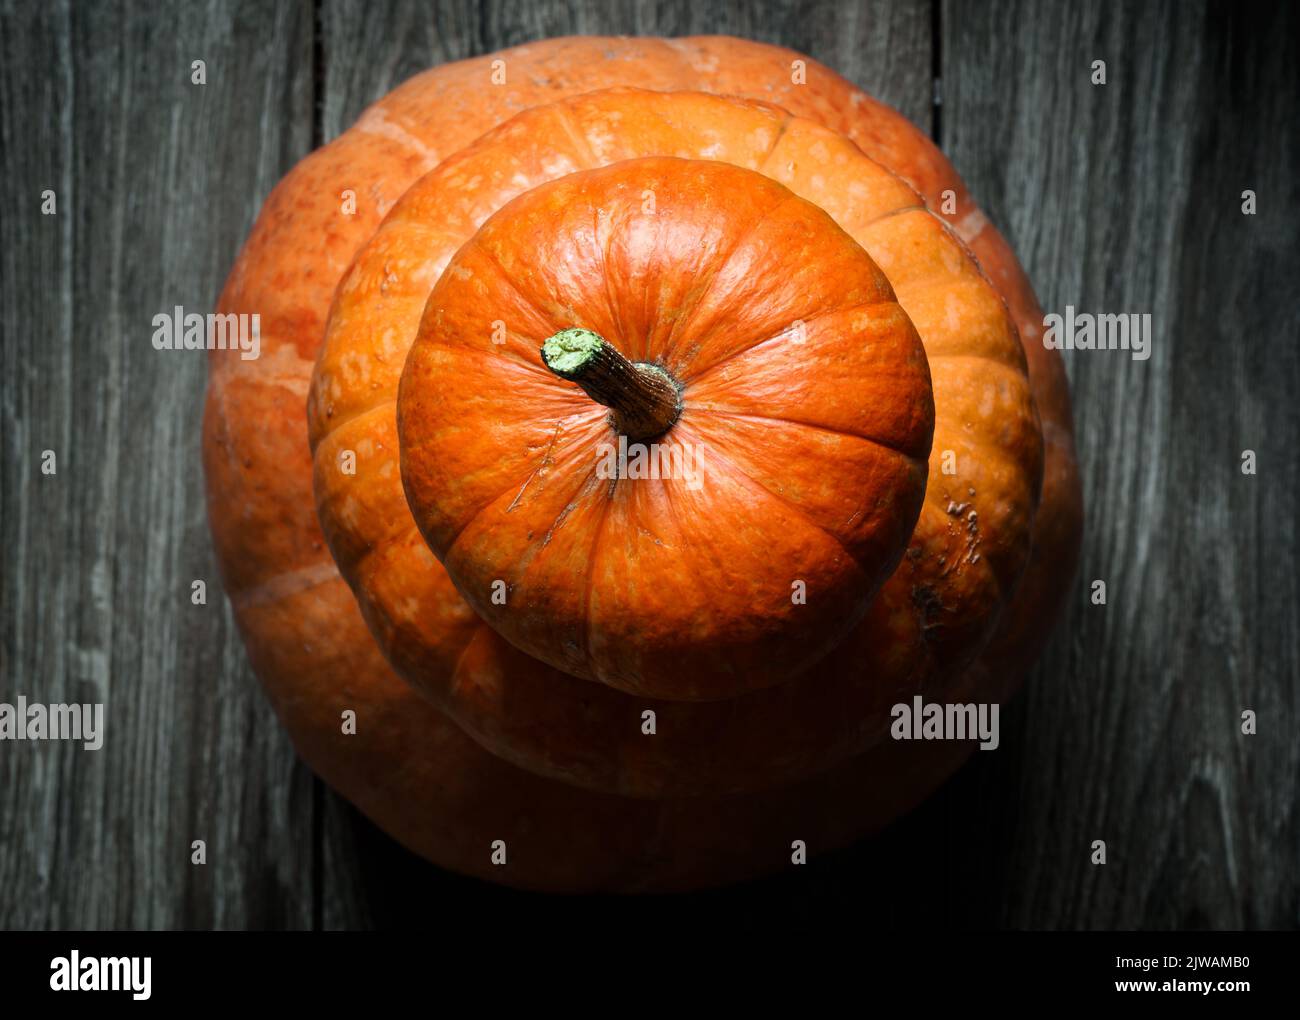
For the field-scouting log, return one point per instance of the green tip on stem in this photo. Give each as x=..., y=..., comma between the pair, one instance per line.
x=569, y=351
x=645, y=398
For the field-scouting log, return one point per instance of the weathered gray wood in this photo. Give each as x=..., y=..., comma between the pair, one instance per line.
x=157, y=183
x=1118, y=198
x=367, y=49
x=1127, y=198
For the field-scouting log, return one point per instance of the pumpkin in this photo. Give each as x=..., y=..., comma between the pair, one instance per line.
x=792, y=460
x=411, y=768
x=939, y=606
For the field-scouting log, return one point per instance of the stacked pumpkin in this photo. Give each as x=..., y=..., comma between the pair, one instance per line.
x=614, y=681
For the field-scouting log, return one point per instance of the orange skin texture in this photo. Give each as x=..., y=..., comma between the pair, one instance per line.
x=409, y=767
x=936, y=609
x=664, y=587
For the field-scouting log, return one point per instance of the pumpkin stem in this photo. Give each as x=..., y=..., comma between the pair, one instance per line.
x=644, y=397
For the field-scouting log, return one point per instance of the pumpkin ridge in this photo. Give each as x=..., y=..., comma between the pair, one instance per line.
x=555, y=434
x=400, y=533
x=982, y=275
x=559, y=423
x=593, y=559
x=703, y=375
x=885, y=459
x=1009, y=355
x=681, y=533
x=895, y=212
x=920, y=463
x=471, y=518
x=666, y=356
x=504, y=276
x=363, y=564
x=357, y=414
x=758, y=486
x=611, y=306
x=458, y=681
x=322, y=461
x=576, y=135
x=781, y=129
x=535, y=548
x=874, y=440
x=584, y=653
x=595, y=415
x=285, y=583
x=679, y=529
x=692, y=371
x=998, y=363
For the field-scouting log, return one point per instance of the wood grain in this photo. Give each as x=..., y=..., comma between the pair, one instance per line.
x=157, y=183
x=1119, y=198
x=1127, y=198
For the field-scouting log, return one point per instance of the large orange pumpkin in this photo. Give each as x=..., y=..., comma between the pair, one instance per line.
x=408, y=766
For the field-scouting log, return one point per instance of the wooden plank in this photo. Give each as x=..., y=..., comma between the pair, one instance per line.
x=157, y=181
x=368, y=49
x=1127, y=198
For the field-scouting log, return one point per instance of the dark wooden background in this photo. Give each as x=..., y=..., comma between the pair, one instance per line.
x=1122, y=198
